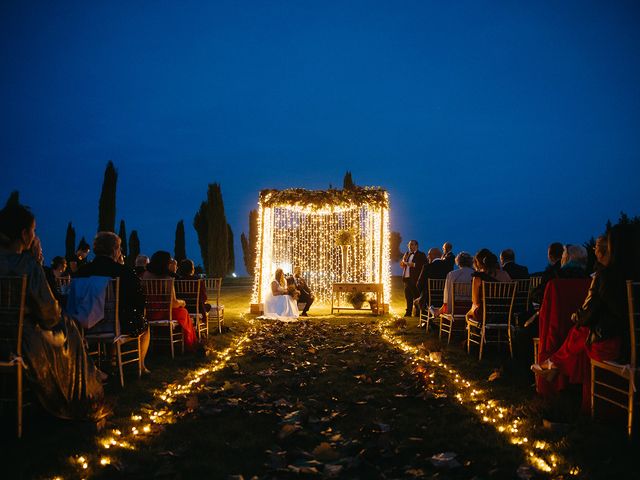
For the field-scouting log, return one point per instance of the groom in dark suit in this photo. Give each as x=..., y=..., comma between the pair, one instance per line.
x=411, y=263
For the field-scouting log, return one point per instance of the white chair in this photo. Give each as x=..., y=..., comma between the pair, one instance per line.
x=213, y=286
x=189, y=291
x=497, y=308
x=107, y=332
x=435, y=297
x=12, y=308
x=158, y=296
x=459, y=304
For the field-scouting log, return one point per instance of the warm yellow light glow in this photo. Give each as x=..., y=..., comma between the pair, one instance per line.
x=290, y=236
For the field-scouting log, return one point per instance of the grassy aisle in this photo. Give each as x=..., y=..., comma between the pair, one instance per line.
x=320, y=397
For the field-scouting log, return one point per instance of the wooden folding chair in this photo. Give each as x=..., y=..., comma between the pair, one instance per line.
x=213, y=286
x=614, y=383
x=497, y=308
x=435, y=297
x=158, y=295
x=107, y=332
x=189, y=291
x=12, y=308
x=459, y=304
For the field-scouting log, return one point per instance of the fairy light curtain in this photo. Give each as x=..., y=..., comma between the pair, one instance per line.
x=302, y=228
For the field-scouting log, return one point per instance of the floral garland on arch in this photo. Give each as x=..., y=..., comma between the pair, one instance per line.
x=325, y=199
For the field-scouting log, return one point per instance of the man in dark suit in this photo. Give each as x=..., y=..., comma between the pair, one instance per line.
x=306, y=296
x=411, y=263
x=515, y=271
x=447, y=255
x=554, y=255
x=435, y=268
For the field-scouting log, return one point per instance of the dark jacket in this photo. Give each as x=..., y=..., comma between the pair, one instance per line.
x=605, y=310
x=515, y=271
x=450, y=260
x=420, y=259
x=436, y=269
x=131, y=309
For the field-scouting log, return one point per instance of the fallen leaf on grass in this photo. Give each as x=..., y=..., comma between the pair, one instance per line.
x=288, y=429
x=325, y=452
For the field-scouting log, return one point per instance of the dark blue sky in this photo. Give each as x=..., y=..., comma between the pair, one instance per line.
x=497, y=124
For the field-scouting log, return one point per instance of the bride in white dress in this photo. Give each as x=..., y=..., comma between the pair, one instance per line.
x=278, y=305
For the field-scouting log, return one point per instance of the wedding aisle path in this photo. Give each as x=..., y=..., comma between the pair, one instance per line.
x=320, y=398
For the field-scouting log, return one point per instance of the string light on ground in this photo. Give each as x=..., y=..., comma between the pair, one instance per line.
x=488, y=410
x=161, y=413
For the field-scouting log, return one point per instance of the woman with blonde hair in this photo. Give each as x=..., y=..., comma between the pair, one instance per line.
x=278, y=304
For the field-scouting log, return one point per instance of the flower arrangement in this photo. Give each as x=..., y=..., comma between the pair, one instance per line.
x=345, y=237
x=356, y=299
x=319, y=199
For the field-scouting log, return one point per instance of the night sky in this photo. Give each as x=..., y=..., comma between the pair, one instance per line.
x=492, y=124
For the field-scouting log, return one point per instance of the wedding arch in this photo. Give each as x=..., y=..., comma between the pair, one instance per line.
x=332, y=235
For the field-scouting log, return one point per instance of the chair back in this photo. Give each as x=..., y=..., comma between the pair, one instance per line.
x=521, y=299
x=633, y=296
x=460, y=298
x=13, y=292
x=213, y=286
x=189, y=291
x=497, y=302
x=534, y=282
x=62, y=285
x=158, y=296
x=435, y=289
x=112, y=305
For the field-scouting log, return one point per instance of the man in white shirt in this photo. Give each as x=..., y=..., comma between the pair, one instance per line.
x=411, y=263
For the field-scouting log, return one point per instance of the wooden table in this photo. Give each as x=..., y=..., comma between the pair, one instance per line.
x=348, y=287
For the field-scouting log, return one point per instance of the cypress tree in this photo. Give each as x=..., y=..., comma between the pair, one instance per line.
x=347, y=182
x=217, y=232
x=107, y=203
x=122, y=233
x=180, y=251
x=134, y=246
x=82, y=245
x=70, y=243
x=200, y=224
x=231, y=260
x=14, y=198
x=249, y=245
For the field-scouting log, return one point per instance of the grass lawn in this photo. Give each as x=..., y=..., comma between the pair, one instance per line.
x=342, y=396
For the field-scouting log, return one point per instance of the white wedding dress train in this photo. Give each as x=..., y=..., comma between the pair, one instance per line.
x=280, y=307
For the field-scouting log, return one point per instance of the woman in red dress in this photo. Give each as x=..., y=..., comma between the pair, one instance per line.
x=158, y=268
x=601, y=329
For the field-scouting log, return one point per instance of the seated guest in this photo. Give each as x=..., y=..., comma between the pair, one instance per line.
x=554, y=255
x=306, y=296
x=58, y=367
x=574, y=262
x=435, y=268
x=141, y=265
x=462, y=274
x=58, y=267
x=601, y=254
x=186, y=271
x=601, y=329
x=106, y=246
x=173, y=268
x=447, y=254
x=80, y=258
x=158, y=268
x=509, y=265
x=487, y=270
